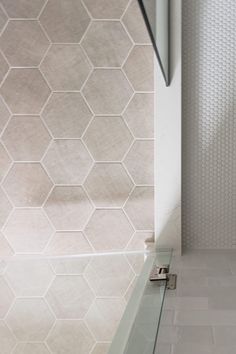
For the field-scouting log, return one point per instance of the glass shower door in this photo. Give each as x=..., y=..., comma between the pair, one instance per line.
x=138, y=329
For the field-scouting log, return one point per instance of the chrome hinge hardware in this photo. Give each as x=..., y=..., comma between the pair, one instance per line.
x=161, y=273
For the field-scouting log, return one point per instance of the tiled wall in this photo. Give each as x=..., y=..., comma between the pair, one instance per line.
x=76, y=123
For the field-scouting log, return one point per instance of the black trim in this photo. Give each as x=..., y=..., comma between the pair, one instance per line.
x=142, y=7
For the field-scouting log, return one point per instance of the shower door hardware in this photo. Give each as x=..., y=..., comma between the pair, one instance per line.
x=161, y=273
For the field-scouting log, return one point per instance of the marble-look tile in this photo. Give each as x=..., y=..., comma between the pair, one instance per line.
x=65, y=21
x=4, y=114
x=29, y=348
x=30, y=319
x=5, y=161
x=23, y=43
x=69, y=297
x=107, y=43
x=68, y=335
x=6, y=297
x=68, y=243
x=25, y=91
x=106, y=9
x=7, y=339
x=22, y=8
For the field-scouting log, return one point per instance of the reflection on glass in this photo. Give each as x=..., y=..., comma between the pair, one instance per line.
x=156, y=16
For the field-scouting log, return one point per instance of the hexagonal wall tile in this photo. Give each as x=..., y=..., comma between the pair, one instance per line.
x=140, y=162
x=106, y=9
x=30, y=319
x=6, y=297
x=69, y=297
x=139, y=115
x=7, y=339
x=5, y=249
x=23, y=43
x=22, y=8
x=108, y=138
x=66, y=115
x=104, y=316
x=3, y=67
x=108, y=185
x=4, y=114
x=135, y=24
x=26, y=138
x=29, y=277
x=101, y=348
x=140, y=208
x=66, y=67
x=68, y=335
x=107, y=43
x=28, y=230
x=109, y=275
x=29, y=348
x=65, y=21
x=3, y=19
x=67, y=161
x=5, y=161
x=5, y=207
x=25, y=91
x=139, y=68
x=27, y=184
x=107, y=91
x=68, y=243
x=109, y=230
x=68, y=208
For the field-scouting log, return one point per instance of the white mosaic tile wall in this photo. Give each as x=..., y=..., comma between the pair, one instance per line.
x=209, y=150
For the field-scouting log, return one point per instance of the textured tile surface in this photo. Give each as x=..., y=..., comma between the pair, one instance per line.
x=69, y=116
x=209, y=159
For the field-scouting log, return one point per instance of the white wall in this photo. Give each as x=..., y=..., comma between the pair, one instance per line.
x=168, y=143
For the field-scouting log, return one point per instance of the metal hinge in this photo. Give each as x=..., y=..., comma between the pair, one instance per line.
x=161, y=273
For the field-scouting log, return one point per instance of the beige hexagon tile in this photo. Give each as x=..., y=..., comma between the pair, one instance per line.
x=69, y=297
x=65, y=67
x=5, y=249
x=5, y=207
x=140, y=162
x=108, y=138
x=29, y=277
x=107, y=43
x=109, y=230
x=101, y=348
x=23, y=8
x=68, y=243
x=69, y=265
x=136, y=260
x=109, y=275
x=5, y=161
x=25, y=91
x=107, y=91
x=31, y=348
x=140, y=241
x=23, y=43
x=135, y=24
x=6, y=297
x=4, y=114
x=26, y=138
x=68, y=208
x=3, y=19
x=7, y=339
x=66, y=115
x=106, y=9
x=65, y=21
x=139, y=115
x=3, y=67
x=68, y=335
x=67, y=161
x=140, y=208
x=108, y=185
x=139, y=68
x=28, y=230
x=104, y=316
x=30, y=319
x=27, y=184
